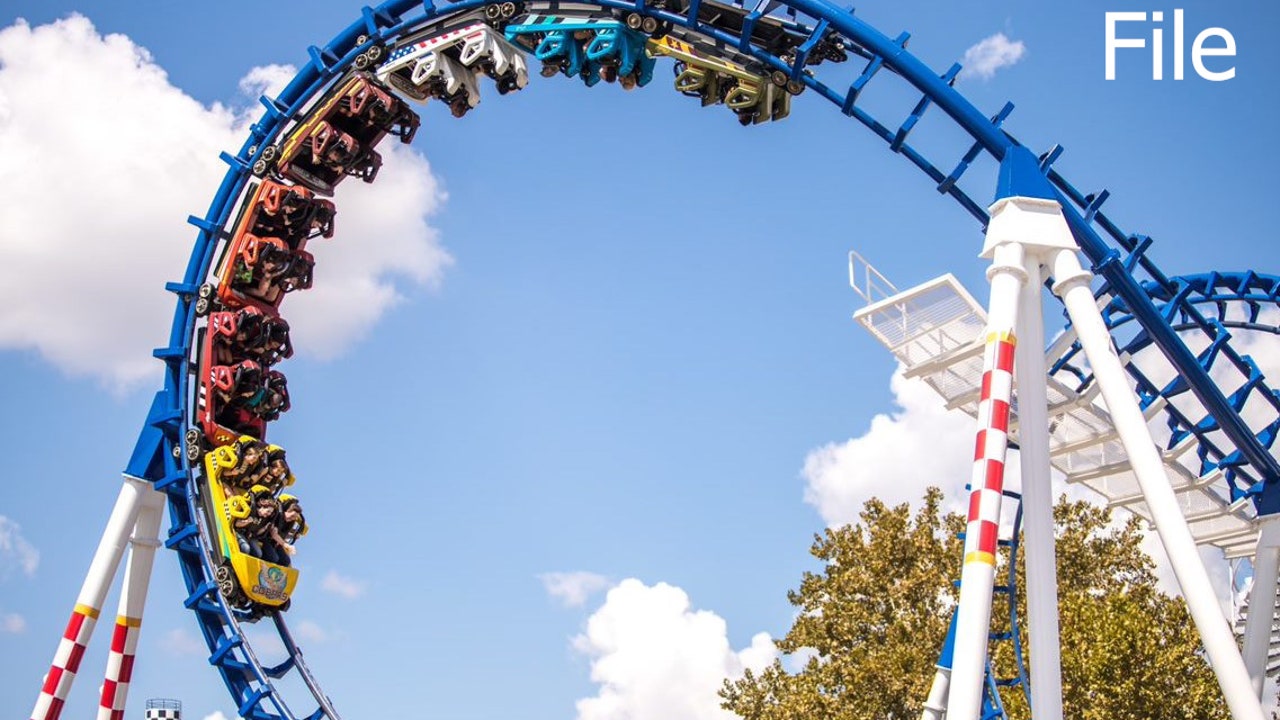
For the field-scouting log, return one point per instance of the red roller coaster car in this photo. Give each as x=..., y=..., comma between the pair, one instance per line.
x=239, y=399
x=237, y=392
x=247, y=334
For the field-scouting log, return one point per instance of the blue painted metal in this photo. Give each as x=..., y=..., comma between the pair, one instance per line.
x=946, y=659
x=1015, y=623
x=1151, y=305
x=992, y=703
x=1211, y=304
x=1020, y=176
x=802, y=52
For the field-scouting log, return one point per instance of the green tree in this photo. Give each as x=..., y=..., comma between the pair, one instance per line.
x=873, y=621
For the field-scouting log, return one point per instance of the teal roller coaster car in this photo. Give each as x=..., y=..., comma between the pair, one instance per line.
x=592, y=48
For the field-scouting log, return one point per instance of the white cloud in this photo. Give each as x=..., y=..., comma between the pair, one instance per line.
x=343, y=586
x=266, y=80
x=12, y=623
x=375, y=240
x=15, y=551
x=180, y=641
x=215, y=716
x=798, y=660
x=308, y=631
x=655, y=658
x=1262, y=348
x=93, y=218
x=265, y=641
x=573, y=588
x=992, y=53
x=896, y=459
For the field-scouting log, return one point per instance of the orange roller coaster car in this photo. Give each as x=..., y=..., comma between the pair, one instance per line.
x=337, y=137
x=259, y=271
x=289, y=212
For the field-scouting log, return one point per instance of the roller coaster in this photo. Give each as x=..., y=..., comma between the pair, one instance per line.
x=204, y=451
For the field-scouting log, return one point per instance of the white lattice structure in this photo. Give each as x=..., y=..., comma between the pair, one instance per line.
x=935, y=331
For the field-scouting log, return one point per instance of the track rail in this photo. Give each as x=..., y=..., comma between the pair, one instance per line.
x=1150, y=300
x=1206, y=310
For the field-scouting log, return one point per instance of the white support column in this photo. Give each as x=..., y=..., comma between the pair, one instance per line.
x=935, y=706
x=133, y=600
x=1037, y=501
x=102, y=570
x=1072, y=285
x=973, y=624
x=1262, y=602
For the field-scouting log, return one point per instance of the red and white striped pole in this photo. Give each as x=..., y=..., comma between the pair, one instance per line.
x=115, y=686
x=66, y=663
x=977, y=578
x=106, y=560
x=133, y=599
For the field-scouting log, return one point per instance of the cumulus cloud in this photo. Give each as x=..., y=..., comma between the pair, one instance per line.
x=15, y=551
x=991, y=54
x=896, y=459
x=573, y=588
x=12, y=623
x=342, y=586
x=656, y=658
x=93, y=221
x=215, y=716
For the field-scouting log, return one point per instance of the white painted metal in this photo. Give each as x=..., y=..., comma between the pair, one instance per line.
x=1034, y=223
x=1262, y=603
x=106, y=560
x=865, y=280
x=102, y=570
x=1037, y=501
x=133, y=600
x=935, y=706
x=1071, y=283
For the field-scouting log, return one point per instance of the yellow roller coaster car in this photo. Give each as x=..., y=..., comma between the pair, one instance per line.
x=752, y=97
x=248, y=582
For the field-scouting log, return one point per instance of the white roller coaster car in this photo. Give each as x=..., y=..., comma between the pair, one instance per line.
x=445, y=66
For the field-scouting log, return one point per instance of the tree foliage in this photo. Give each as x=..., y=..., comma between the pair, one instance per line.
x=872, y=622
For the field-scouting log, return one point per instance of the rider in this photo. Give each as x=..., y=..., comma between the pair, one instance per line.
x=250, y=453
x=249, y=331
x=275, y=470
x=290, y=526
x=255, y=523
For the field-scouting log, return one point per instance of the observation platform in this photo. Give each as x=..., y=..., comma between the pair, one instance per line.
x=935, y=330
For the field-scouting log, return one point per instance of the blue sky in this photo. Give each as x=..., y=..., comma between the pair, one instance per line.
x=621, y=329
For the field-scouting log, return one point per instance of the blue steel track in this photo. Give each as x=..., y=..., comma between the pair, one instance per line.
x=1165, y=311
